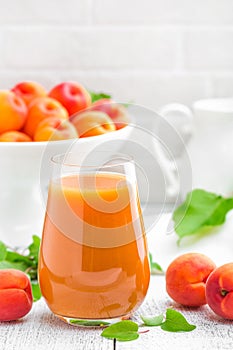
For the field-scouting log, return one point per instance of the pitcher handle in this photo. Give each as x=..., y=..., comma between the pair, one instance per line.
x=169, y=171
x=180, y=117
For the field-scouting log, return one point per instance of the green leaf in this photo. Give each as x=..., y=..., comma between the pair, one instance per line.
x=3, y=251
x=4, y=264
x=201, y=209
x=14, y=257
x=155, y=268
x=176, y=322
x=89, y=323
x=36, y=291
x=153, y=321
x=122, y=331
x=34, y=247
x=95, y=96
x=28, y=263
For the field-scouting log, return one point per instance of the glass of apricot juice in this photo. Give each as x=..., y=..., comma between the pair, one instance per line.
x=93, y=265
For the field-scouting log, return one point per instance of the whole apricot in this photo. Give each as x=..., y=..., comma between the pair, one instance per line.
x=13, y=111
x=14, y=136
x=15, y=295
x=55, y=129
x=117, y=112
x=219, y=291
x=92, y=123
x=72, y=95
x=42, y=108
x=103, y=105
x=186, y=278
x=29, y=91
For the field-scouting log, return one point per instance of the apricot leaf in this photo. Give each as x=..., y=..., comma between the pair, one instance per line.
x=34, y=248
x=200, y=209
x=16, y=257
x=153, y=321
x=3, y=251
x=155, y=268
x=36, y=291
x=122, y=331
x=128, y=330
x=95, y=96
x=88, y=323
x=176, y=322
x=4, y=264
x=26, y=261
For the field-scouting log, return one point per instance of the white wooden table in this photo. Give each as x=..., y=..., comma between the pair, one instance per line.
x=40, y=330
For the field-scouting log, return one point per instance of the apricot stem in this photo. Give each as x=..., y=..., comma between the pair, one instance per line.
x=224, y=292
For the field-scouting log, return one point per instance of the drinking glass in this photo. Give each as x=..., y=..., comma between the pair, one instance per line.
x=93, y=262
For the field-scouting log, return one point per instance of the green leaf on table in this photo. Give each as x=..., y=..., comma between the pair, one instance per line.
x=34, y=248
x=4, y=264
x=26, y=262
x=176, y=322
x=201, y=209
x=3, y=251
x=33, y=256
x=153, y=321
x=88, y=323
x=95, y=96
x=155, y=268
x=122, y=331
x=36, y=292
x=16, y=257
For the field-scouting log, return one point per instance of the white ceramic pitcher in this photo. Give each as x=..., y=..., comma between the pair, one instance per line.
x=207, y=130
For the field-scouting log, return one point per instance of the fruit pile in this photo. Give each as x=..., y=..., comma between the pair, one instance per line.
x=29, y=113
x=192, y=279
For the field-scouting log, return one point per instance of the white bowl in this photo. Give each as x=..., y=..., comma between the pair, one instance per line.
x=24, y=175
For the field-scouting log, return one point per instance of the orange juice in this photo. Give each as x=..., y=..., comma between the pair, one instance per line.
x=93, y=258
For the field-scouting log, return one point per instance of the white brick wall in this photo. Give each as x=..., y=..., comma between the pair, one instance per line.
x=151, y=52
x=102, y=48
x=196, y=12
x=27, y=12
x=209, y=49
